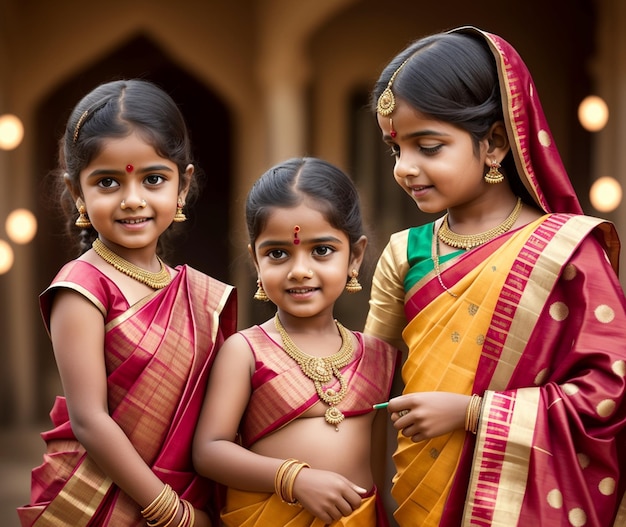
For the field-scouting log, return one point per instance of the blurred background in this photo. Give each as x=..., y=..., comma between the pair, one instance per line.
x=258, y=81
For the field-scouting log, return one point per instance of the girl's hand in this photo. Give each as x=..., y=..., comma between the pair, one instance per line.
x=425, y=415
x=327, y=495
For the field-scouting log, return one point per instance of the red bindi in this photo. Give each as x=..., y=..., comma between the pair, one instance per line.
x=296, y=230
x=129, y=168
x=393, y=133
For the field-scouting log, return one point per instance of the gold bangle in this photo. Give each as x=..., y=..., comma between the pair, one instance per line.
x=280, y=474
x=185, y=521
x=156, y=502
x=285, y=478
x=472, y=414
x=292, y=478
x=163, y=509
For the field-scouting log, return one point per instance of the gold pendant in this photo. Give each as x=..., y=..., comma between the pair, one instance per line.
x=334, y=416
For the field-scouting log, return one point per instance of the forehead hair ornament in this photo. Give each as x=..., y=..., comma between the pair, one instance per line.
x=387, y=102
x=79, y=123
x=296, y=230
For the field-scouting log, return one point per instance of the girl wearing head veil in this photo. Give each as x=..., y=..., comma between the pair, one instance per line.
x=513, y=405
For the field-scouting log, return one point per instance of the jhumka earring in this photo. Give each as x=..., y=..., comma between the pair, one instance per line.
x=260, y=294
x=180, y=215
x=353, y=285
x=83, y=220
x=494, y=176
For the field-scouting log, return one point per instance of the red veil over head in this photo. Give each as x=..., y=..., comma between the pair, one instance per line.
x=536, y=157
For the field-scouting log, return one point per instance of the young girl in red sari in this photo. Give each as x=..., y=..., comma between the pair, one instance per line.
x=513, y=409
x=133, y=338
x=287, y=423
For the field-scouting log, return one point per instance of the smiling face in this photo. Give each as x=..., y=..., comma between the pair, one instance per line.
x=303, y=279
x=130, y=194
x=436, y=163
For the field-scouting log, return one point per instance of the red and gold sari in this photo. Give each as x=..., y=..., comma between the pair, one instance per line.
x=158, y=353
x=537, y=327
x=281, y=393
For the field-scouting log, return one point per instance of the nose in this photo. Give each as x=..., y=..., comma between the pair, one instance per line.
x=300, y=270
x=133, y=200
x=405, y=167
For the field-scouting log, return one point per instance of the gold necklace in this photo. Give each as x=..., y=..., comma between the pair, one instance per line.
x=437, y=271
x=469, y=241
x=322, y=369
x=156, y=280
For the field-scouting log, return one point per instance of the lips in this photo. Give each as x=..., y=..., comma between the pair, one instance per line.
x=133, y=221
x=301, y=291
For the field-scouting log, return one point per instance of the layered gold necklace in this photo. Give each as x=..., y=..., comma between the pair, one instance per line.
x=321, y=370
x=469, y=241
x=156, y=280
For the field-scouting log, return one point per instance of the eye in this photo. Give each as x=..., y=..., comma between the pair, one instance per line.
x=276, y=254
x=323, y=250
x=154, y=179
x=394, y=150
x=108, y=183
x=430, y=150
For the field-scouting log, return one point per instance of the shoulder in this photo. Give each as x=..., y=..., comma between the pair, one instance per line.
x=377, y=346
x=88, y=281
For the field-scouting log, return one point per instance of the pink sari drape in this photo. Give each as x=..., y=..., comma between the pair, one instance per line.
x=158, y=353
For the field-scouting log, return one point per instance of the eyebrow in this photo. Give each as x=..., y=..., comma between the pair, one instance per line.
x=304, y=241
x=114, y=172
x=420, y=133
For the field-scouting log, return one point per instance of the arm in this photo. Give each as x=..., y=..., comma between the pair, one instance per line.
x=386, y=319
x=216, y=455
x=77, y=332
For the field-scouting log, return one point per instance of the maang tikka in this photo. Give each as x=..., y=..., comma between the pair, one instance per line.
x=387, y=102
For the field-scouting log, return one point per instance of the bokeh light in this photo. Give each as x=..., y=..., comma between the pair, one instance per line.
x=11, y=131
x=21, y=226
x=6, y=257
x=593, y=113
x=605, y=194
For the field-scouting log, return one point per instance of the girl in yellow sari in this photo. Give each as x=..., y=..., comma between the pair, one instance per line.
x=513, y=408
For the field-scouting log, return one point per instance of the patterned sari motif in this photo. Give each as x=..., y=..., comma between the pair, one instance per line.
x=281, y=393
x=158, y=353
x=498, y=333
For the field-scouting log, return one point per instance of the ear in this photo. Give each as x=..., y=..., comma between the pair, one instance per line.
x=357, y=253
x=74, y=192
x=253, y=256
x=185, y=182
x=498, y=145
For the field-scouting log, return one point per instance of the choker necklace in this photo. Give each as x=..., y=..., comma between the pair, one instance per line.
x=323, y=369
x=156, y=280
x=469, y=241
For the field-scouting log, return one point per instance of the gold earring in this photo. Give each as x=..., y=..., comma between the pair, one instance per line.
x=180, y=215
x=353, y=285
x=83, y=220
x=260, y=294
x=494, y=176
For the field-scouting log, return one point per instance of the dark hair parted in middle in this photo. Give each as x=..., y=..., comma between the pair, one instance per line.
x=288, y=184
